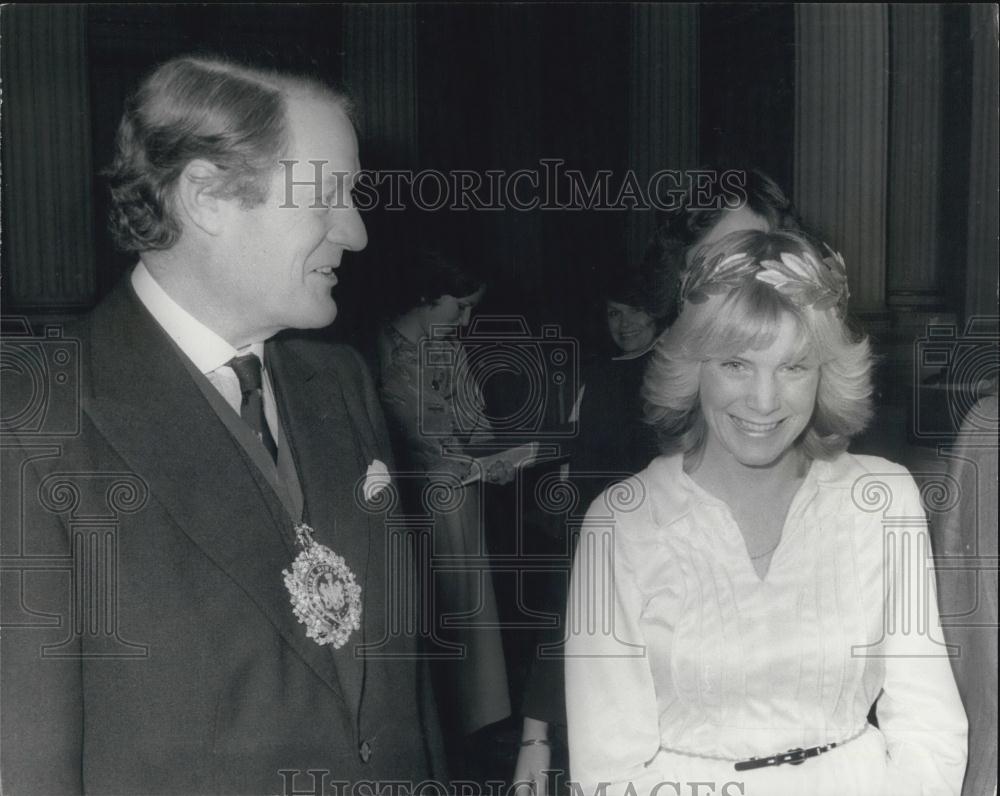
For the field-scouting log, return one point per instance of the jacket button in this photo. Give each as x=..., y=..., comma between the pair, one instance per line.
x=365, y=752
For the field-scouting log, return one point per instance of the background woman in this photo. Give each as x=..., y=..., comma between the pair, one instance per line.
x=613, y=441
x=434, y=408
x=753, y=607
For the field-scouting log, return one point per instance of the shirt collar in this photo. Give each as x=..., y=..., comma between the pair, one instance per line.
x=674, y=493
x=200, y=344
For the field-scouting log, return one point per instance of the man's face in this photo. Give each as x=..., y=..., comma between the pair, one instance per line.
x=287, y=249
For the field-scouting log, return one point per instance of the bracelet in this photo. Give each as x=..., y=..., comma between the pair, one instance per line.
x=536, y=741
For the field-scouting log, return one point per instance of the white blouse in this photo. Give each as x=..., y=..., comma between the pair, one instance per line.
x=681, y=660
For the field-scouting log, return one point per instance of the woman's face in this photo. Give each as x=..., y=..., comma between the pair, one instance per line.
x=631, y=328
x=756, y=403
x=451, y=310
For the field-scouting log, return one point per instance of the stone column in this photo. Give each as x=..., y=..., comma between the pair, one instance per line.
x=984, y=173
x=380, y=72
x=914, y=262
x=48, y=246
x=663, y=102
x=841, y=123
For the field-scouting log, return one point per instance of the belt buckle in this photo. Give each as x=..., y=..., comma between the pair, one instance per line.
x=794, y=757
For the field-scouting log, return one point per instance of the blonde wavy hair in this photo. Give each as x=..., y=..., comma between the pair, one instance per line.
x=745, y=316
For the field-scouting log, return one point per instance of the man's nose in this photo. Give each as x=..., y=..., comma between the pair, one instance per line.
x=348, y=230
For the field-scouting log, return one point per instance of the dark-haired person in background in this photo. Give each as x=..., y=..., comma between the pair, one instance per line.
x=737, y=199
x=435, y=408
x=613, y=440
x=612, y=443
x=249, y=569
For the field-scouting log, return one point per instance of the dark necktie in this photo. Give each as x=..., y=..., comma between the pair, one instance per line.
x=248, y=370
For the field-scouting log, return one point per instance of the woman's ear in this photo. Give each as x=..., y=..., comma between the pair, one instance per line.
x=197, y=200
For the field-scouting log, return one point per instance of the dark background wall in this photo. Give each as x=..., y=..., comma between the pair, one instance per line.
x=612, y=87
x=747, y=62
x=494, y=87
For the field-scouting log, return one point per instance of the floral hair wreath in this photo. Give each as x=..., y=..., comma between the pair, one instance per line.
x=802, y=278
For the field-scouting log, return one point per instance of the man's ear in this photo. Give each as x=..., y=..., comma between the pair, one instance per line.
x=196, y=198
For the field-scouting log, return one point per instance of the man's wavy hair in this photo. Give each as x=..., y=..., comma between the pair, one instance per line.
x=198, y=107
x=748, y=316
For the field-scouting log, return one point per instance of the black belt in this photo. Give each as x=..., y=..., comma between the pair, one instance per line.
x=793, y=757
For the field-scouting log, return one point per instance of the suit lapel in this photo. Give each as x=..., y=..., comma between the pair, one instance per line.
x=330, y=458
x=149, y=409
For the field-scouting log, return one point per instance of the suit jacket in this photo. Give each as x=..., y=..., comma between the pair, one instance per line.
x=149, y=643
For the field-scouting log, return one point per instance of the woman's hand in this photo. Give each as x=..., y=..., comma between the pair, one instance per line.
x=533, y=759
x=500, y=472
x=459, y=468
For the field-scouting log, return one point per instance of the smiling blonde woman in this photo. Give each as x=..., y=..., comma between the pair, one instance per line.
x=738, y=607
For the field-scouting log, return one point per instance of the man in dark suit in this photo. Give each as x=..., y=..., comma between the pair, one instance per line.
x=198, y=580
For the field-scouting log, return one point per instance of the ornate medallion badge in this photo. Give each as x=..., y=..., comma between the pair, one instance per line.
x=325, y=597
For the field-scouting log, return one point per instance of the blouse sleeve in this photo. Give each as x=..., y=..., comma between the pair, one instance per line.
x=919, y=711
x=610, y=700
x=403, y=405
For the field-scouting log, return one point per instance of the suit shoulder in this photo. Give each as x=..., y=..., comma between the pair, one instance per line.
x=341, y=358
x=347, y=359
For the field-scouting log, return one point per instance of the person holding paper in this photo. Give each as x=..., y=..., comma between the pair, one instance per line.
x=434, y=408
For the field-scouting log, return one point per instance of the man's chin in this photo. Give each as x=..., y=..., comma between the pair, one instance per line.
x=327, y=320
x=326, y=310
x=318, y=319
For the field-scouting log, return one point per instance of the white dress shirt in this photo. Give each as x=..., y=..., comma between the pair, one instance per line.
x=207, y=350
x=698, y=662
